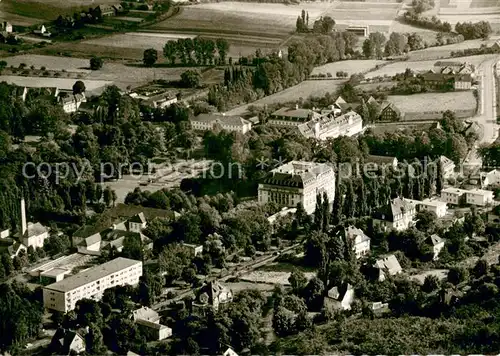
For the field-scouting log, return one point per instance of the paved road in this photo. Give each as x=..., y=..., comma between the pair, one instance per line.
x=487, y=112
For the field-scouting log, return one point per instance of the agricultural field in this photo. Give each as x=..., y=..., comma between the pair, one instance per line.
x=50, y=62
x=29, y=12
x=301, y=91
x=400, y=67
x=93, y=86
x=241, y=18
x=350, y=66
x=434, y=102
x=137, y=40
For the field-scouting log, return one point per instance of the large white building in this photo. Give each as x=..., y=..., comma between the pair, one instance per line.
x=91, y=284
x=330, y=126
x=206, y=122
x=298, y=182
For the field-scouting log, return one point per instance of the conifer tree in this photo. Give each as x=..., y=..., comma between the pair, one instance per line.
x=318, y=213
x=439, y=178
x=326, y=213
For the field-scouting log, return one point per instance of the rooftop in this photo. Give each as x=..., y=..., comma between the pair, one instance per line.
x=480, y=192
x=435, y=240
x=93, y=274
x=54, y=272
x=222, y=119
x=297, y=173
x=305, y=114
x=391, y=263
x=150, y=324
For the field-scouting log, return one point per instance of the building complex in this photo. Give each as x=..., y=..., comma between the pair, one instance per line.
x=298, y=182
x=91, y=284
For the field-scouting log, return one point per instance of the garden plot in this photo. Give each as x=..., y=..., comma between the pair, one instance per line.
x=272, y=277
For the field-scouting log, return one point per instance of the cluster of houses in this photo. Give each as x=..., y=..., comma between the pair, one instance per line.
x=456, y=75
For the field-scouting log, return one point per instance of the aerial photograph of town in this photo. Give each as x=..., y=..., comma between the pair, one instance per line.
x=249, y=177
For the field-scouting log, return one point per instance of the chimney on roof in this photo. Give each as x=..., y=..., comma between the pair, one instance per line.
x=23, y=217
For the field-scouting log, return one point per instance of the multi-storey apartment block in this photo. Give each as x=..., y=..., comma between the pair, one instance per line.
x=298, y=182
x=91, y=284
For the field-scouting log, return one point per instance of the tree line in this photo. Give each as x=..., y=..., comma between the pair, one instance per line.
x=323, y=25
x=273, y=74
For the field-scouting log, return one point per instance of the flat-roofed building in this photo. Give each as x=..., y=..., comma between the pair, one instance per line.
x=454, y=196
x=438, y=207
x=206, y=122
x=287, y=117
x=298, y=182
x=91, y=284
x=479, y=197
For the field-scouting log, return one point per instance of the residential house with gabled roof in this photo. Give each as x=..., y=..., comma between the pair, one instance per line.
x=390, y=112
x=104, y=10
x=137, y=223
x=398, y=214
x=12, y=247
x=146, y=313
x=361, y=242
x=229, y=352
x=7, y=27
x=148, y=321
x=437, y=244
x=447, y=165
x=232, y=123
x=388, y=264
x=340, y=100
x=71, y=103
x=213, y=294
x=371, y=100
x=67, y=342
x=298, y=182
x=492, y=178
x=340, y=298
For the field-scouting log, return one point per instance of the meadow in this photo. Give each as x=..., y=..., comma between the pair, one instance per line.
x=351, y=66
x=434, y=102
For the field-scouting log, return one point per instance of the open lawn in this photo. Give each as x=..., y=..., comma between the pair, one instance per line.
x=138, y=40
x=430, y=102
x=350, y=66
x=303, y=90
x=418, y=66
x=445, y=51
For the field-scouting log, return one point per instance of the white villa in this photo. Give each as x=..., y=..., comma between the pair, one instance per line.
x=361, y=242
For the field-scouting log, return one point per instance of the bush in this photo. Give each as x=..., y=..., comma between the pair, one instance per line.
x=96, y=63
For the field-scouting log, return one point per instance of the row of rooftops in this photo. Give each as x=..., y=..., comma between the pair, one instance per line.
x=231, y=120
